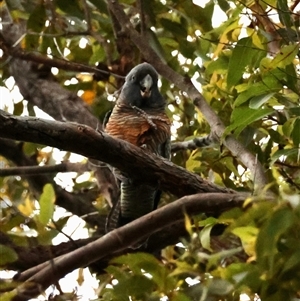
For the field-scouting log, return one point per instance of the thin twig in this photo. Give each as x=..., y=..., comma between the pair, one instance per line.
x=53, y=62
x=37, y=170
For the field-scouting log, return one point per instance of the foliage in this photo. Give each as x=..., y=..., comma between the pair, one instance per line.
x=246, y=67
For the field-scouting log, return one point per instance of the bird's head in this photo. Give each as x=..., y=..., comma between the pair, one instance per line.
x=140, y=88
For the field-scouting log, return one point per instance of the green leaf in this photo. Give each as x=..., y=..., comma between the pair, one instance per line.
x=294, y=111
x=14, y=4
x=224, y=5
x=244, y=116
x=192, y=162
x=98, y=55
x=174, y=27
x=164, y=41
x=220, y=66
x=37, y=19
x=269, y=84
x=283, y=153
x=134, y=259
x=9, y=295
x=269, y=235
x=245, y=233
x=178, y=296
x=248, y=236
x=7, y=255
x=138, y=286
x=140, y=263
x=18, y=108
x=205, y=237
x=208, y=221
x=295, y=134
x=72, y=8
x=285, y=57
x=293, y=263
x=35, y=23
x=289, y=126
x=240, y=58
x=271, y=3
x=29, y=148
x=229, y=163
x=156, y=44
x=117, y=273
x=101, y=5
x=242, y=273
x=291, y=77
x=219, y=287
x=199, y=15
x=284, y=13
x=257, y=101
x=46, y=201
x=187, y=48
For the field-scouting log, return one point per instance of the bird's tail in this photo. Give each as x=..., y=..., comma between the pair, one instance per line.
x=136, y=201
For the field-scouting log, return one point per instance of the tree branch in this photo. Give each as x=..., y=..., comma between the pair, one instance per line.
x=125, y=236
x=217, y=127
x=52, y=62
x=81, y=139
x=47, y=169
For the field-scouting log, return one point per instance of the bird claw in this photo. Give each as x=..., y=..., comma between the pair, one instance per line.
x=146, y=116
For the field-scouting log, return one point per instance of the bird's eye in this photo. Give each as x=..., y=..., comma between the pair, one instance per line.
x=133, y=77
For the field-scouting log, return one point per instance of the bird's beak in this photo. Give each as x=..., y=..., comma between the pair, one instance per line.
x=146, y=85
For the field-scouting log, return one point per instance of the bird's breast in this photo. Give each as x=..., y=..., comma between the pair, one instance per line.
x=151, y=129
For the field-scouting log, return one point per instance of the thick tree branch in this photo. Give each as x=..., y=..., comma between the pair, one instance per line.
x=81, y=139
x=125, y=236
x=167, y=236
x=182, y=83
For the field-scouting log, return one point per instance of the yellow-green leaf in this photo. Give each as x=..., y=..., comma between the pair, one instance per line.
x=7, y=255
x=285, y=57
x=9, y=295
x=46, y=201
x=205, y=237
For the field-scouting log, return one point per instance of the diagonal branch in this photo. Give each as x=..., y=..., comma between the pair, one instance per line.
x=129, y=159
x=123, y=237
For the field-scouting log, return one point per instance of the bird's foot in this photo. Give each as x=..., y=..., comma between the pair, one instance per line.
x=146, y=116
